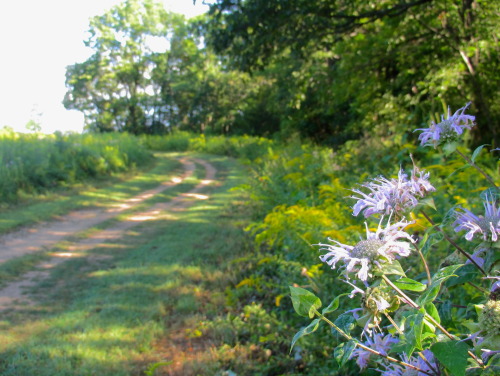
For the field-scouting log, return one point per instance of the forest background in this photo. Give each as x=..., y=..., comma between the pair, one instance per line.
x=317, y=96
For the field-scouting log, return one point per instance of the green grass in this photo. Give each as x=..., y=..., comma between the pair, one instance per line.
x=96, y=193
x=104, y=315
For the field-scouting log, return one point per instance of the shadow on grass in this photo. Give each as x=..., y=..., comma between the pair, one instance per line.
x=100, y=315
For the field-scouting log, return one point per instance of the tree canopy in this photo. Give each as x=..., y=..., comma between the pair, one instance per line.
x=329, y=70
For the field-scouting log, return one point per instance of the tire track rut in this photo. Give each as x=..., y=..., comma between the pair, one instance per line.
x=45, y=236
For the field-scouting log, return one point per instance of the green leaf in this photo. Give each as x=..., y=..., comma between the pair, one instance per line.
x=429, y=201
x=437, y=279
x=414, y=335
x=311, y=328
x=346, y=322
x=453, y=355
x=450, y=147
x=429, y=240
x=477, y=151
x=410, y=285
x=393, y=268
x=333, y=305
x=432, y=311
x=304, y=302
x=445, y=312
x=491, y=259
x=465, y=274
x=344, y=351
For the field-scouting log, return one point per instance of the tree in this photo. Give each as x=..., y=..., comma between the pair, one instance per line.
x=113, y=87
x=359, y=62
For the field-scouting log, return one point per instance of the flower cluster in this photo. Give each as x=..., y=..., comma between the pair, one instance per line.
x=428, y=366
x=385, y=307
x=392, y=195
x=378, y=343
x=382, y=246
x=448, y=129
x=487, y=226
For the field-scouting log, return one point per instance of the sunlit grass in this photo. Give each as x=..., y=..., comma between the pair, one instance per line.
x=103, y=315
x=102, y=194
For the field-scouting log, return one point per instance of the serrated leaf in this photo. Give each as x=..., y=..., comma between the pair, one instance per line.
x=477, y=151
x=437, y=279
x=393, y=268
x=311, y=328
x=414, y=335
x=333, y=305
x=453, y=355
x=465, y=274
x=343, y=352
x=410, y=285
x=492, y=257
x=304, y=302
x=346, y=322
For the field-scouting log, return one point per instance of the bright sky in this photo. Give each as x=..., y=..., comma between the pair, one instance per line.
x=38, y=40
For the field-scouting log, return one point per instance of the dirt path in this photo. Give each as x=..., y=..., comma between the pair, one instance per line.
x=43, y=237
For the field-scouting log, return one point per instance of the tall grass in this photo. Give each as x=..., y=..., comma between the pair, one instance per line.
x=32, y=163
x=243, y=147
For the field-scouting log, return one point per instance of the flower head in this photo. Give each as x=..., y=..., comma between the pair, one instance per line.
x=386, y=196
x=382, y=246
x=428, y=366
x=448, y=129
x=487, y=226
x=378, y=343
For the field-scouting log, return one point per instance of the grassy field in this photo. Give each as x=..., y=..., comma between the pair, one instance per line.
x=112, y=316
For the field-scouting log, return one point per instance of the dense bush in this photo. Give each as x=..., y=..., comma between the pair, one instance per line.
x=31, y=163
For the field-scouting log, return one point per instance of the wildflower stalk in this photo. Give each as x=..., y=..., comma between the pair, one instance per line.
x=471, y=163
x=396, y=326
x=450, y=240
x=424, y=261
x=369, y=349
x=428, y=317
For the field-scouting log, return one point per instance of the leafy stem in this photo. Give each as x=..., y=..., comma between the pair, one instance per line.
x=369, y=349
x=426, y=266
x=427, y=316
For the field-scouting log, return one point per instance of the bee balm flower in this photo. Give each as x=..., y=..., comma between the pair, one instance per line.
x=448, y=129
x=381, y=246
x=487, y=226
x=394, y=195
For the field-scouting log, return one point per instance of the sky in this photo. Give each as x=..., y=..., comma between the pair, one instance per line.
x=38, y=40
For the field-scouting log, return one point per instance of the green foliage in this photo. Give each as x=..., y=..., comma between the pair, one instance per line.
x=32, y=163
x=453, y=355
x=246, y=148
x=345, y=68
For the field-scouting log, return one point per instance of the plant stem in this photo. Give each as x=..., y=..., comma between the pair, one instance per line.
x=470, y=162
x=427, y=271
x=369, y=349
x=427, y=316
x=398, y=329
x=469, y=257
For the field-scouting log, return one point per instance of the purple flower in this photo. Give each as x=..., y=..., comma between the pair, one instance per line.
x=487, y=226
x=448, y=129
x=381, y=246
x=428, y=366
x=395, y=195
x=378, y=343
